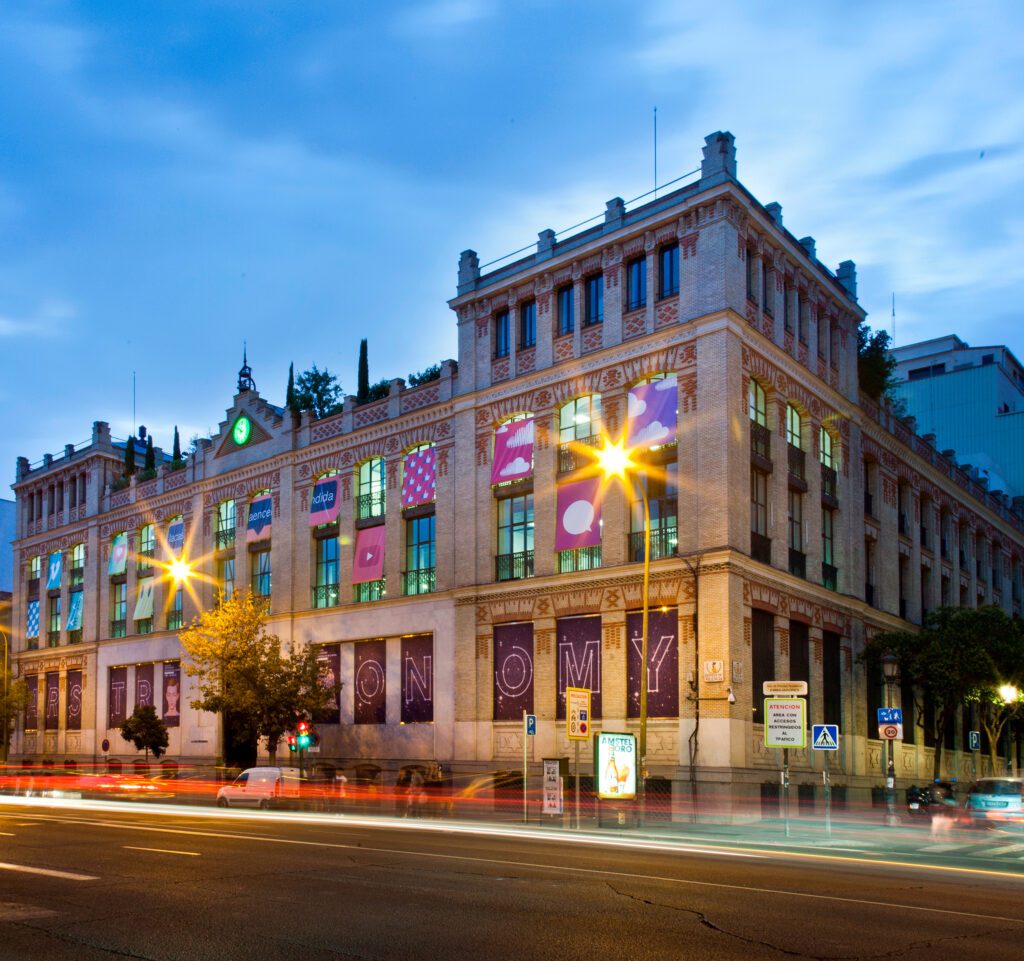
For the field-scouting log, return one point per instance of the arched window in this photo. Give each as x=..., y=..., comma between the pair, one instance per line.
x=825, y=448
x=757, y=403
x=580, y=419
x=372, y=487
x=794, y=426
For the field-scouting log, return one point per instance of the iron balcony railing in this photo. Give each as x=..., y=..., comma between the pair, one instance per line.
x=174, y=620
x=222, y=540
x=76, y=577
x=422, y=580
x=663, y=543
x=369, y=591
x=579, y=559
x=144, y=560
x=797, y=458
x=75, y=637
x=570, y=458
x=760, y=547
x=118, y=627
x=829, y=482
x=326, y=595
x=370, y=505
x=797, y=563
x=760, y=440
x=829, y=576
x=53, y=638
x=513, y=567
x=145, y=626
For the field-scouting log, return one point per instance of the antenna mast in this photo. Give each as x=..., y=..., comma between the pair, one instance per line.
x=655, y=153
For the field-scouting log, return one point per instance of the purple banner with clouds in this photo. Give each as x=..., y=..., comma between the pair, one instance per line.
x=579, y=659
x=513, y=451
x=662, y=663
x=117, y=696
x=172, y=693
x=144, y=684
x=513, y=671
x=73, y=709
x=651, y=417
x=329, y=659
x=52, y=716
x=418, y=679
x=32, y=708
x=371, y=683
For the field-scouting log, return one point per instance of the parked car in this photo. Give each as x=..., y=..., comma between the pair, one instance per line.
x=996, y=802
x=259, y=786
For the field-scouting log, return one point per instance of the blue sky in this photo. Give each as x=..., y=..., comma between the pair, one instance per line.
x=178, y=177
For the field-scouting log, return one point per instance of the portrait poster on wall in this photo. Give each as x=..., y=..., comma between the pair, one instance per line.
x=52, y=718
x=579, y=659
x=144, y=684
x=513, y=671
x=662, y=663
x=73, y=709
x=329, y=659
x=117, y=696
x=371, y=704
x=418, y=679
x=172, y=693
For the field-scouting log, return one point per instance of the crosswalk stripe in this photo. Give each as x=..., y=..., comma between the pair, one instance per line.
x=941, y=848
x=1005, y=849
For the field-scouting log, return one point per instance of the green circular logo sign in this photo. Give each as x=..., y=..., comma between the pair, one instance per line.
x=242, y=430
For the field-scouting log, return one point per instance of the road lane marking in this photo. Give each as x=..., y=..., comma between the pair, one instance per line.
x=191, y=854
x=7, y=834
x=1007, y=849
x=47, y=872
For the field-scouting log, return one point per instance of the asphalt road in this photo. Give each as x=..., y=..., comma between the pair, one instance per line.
x=81, y=882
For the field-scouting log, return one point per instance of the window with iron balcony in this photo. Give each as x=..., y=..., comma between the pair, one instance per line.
x=326, y=589
x=371, y=499
x=224, y=525
x=147, y=547
x=579, y=425
x=663, y=496
x=579, y=559
x=419, y=576
x=514, y=558
x=369, y=591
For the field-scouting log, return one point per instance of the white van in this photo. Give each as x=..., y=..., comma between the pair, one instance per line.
x=258, y=786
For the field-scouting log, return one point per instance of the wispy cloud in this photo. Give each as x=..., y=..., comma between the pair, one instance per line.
x=49, y=319
x=442, y=15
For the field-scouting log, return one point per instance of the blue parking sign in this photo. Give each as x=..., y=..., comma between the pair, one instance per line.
x=531, y=725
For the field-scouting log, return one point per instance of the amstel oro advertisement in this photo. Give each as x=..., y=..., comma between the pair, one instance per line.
x=615, y=766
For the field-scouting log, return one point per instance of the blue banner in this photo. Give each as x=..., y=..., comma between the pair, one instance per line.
x=261, y=514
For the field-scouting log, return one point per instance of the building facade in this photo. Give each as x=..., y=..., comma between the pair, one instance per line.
x=969, y=400
x=449, y=552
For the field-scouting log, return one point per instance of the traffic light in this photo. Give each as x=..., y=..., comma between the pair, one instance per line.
x=303, y=736
x=291, y=742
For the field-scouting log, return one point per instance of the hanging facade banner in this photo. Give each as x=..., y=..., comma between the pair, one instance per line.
x=419, y=479
x=144, y=685
x=371, y=682
x=651, y=417
x=513, y=671
x=662, y=663
x=325, y=503
x=32, y=708
x=117, y=696
x=579, y=515
x=176, y=538
x=329, y=659
x=368, y=557
x=261, y=514
x=579, y=659
x=118, y=555
x=32, y=622
x=172, y=693
x=51, y=721
x=54, y=569
x=513, y=451
x=144, y=603
x=418, y=679
x=75, y=605
x=73, y=708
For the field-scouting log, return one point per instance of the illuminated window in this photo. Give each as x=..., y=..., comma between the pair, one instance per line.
x=370, y=502
x=794, y=426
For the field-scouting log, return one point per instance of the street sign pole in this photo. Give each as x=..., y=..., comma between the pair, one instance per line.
x=577, y=780
x=828, y=799
x=785, y=787
x=525, y=738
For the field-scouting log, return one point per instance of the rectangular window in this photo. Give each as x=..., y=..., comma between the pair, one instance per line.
x=752, y=284
x=118, y=609
x=663, y=500
x=501, y=338
x=800, y=656
x=827, y=536
x=762, y=655
x=566, y=320
x=594, y=305
x=579, y=559
x=35, y=568
x=224, y=531
x=76, y=575
x=371, y=502
x=260, y=565
x=758, y=502
x=147, y=547
x=766, y=287
x=419, y=555
x=668, y=271
x=514, y=558
x=793, y=426
x=636, y=282
x=787, y=320
x=226, y=577
x=831, y=678
x=175, y=615
x=53, y=633
x=528, y=324
x=325, y=589
x=796, y=521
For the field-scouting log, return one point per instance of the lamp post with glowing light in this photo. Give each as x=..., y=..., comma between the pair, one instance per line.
x=1009, y=694
x=7, y=663
x=615, y=461
x=890, y=670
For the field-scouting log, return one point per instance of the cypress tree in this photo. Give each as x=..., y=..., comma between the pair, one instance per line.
x=150, y=454
x=363, y=384
x=289, y=394
x=176, y=452
x=129, y=457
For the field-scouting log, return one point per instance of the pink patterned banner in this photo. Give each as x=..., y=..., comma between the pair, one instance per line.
x=420, y=478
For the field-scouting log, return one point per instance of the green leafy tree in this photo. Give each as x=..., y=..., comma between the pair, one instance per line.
x=176, y=450
x=150, y=463
x=145, y=730
x=289, y=393
x=948, y=661
x=129, y=457
x=874, y=365
x=425, y=376
x=243, y=675
x=318, y=391
x=363, y=378
x=14, y=698
x=379, y=391
x=1006, y=650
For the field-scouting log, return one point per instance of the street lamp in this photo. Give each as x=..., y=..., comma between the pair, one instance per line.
x=615, y=461
x=3, y=721
x=890, y=671
x=1009, y=694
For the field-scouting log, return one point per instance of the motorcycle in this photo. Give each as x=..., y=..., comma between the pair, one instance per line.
x=936, y=800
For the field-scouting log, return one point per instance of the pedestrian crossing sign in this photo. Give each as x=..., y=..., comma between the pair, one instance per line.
x=825, y=737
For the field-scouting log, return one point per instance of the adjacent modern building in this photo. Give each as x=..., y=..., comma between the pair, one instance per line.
x=969, y=400
x=452, y=555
